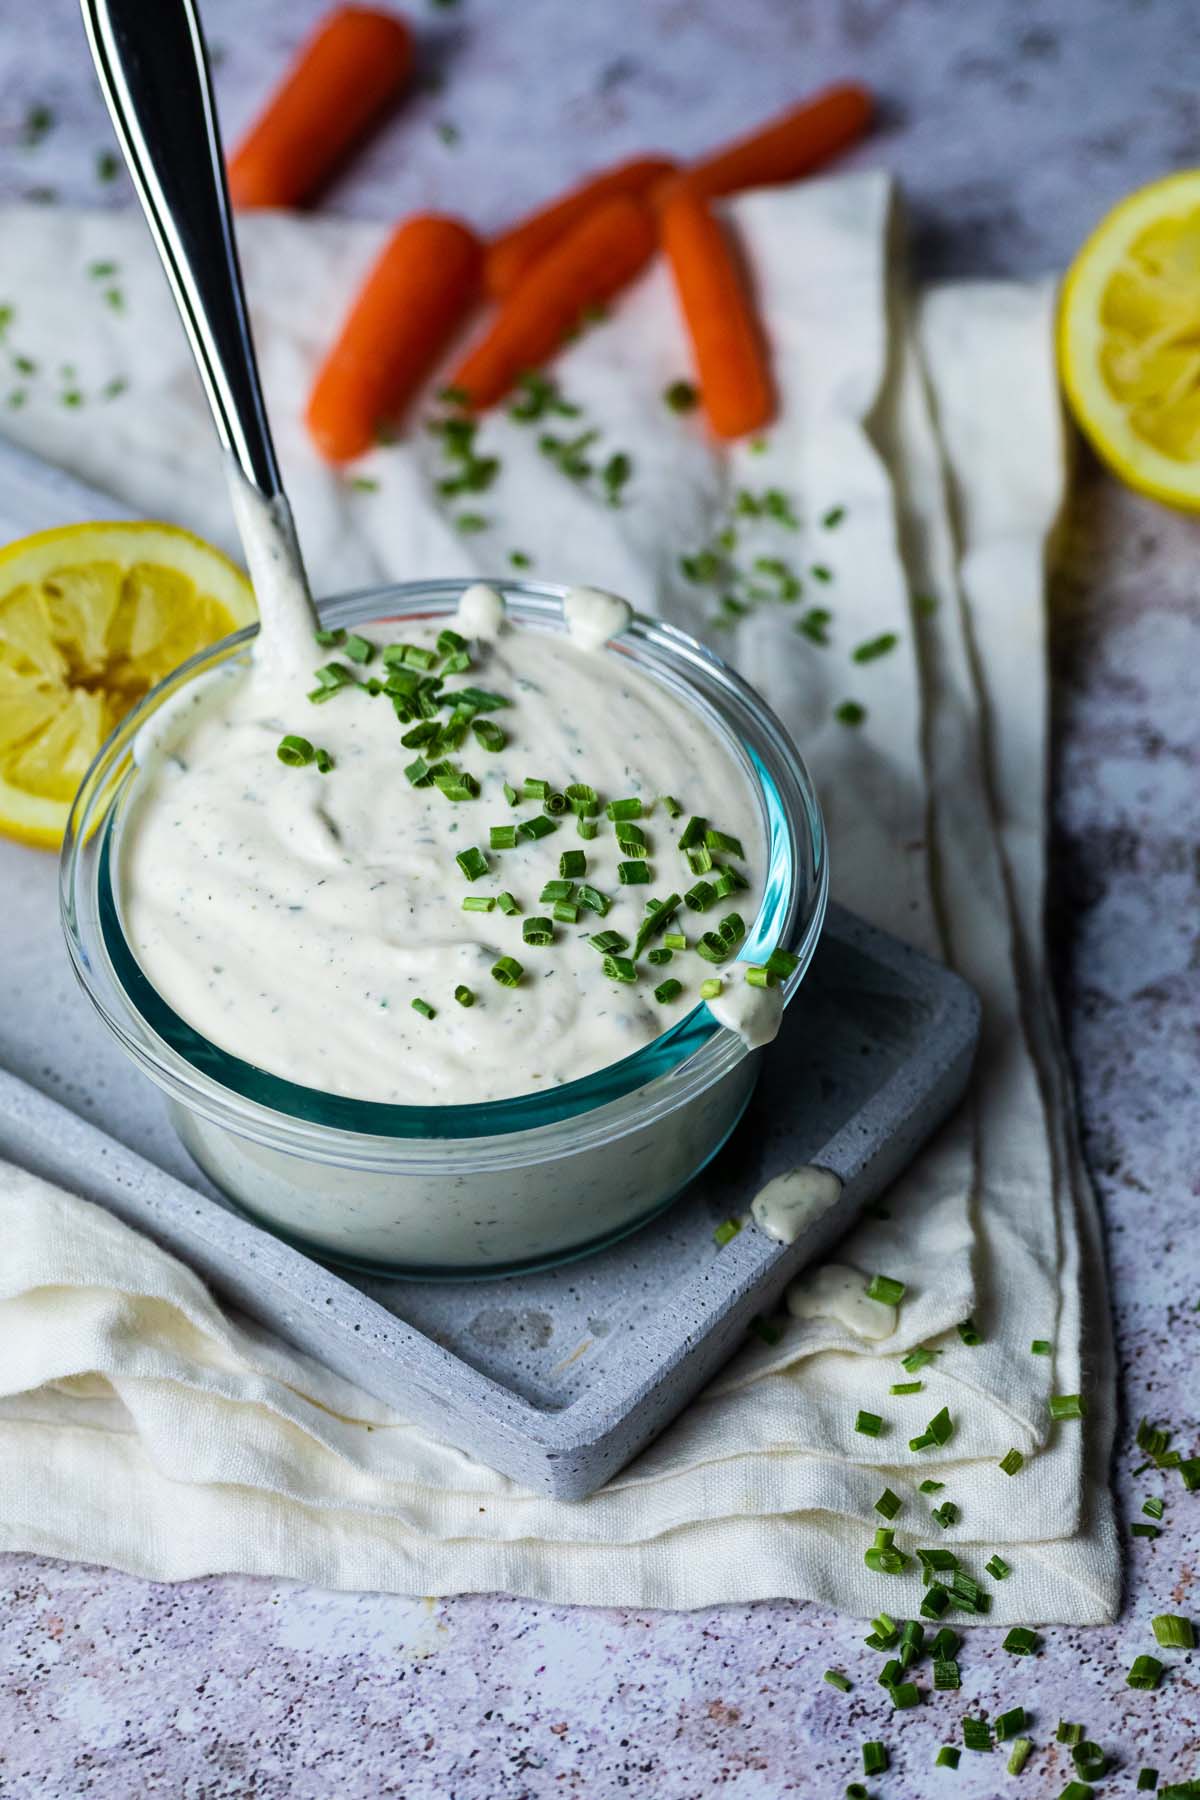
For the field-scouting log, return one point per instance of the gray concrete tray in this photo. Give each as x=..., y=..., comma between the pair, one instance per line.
x=560, y=1377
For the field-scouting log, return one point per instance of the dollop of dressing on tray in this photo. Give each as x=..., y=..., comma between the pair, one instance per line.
x=421, y=863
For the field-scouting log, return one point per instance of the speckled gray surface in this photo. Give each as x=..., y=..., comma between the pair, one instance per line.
x=1013, y=125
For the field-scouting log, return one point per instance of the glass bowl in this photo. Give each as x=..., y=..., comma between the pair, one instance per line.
x=485, y=1188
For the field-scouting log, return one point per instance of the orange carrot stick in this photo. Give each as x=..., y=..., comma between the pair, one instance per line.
x=410, y=305
x=731, y=364
x=355, y=63
x=790, y=146
x=606, y=249
x=513, y=252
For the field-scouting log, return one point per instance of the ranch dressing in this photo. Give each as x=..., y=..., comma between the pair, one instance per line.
x=787, y=1206
x=836, y=1291
x=292, y=917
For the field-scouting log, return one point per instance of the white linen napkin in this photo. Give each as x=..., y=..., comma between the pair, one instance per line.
x=141, y=1427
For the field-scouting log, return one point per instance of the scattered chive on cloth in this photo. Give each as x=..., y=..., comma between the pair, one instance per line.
x=917, y=468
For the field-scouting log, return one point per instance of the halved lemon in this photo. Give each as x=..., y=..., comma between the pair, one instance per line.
x=1129, y=339
x=91, y=616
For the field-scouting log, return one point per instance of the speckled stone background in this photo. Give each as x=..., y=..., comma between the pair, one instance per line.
x=1013, y=125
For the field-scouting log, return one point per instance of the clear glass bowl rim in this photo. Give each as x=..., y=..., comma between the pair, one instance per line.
x=365, y=1144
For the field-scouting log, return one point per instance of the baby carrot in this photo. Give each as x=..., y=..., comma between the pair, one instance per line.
x=592, y=262
x=509, y=255
x=354, y=64
x=731, y=364
x=410, y=305
x=788, y=147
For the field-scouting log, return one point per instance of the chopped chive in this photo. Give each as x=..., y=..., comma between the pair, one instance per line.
x=888, y=1504
x=692, y=835
x=1145, y=1673
x=534, y=789
x=997, y=1568
x=885, y=1288
x=681, y=396
x=608, y=942
x=1019, y=1755
x=330, y=639
x=620, y=968
x=507, y=971
x=632, y=839
x=1010, y=1724
x=969, y=1332
x=538, y=827
x=874, y=647
x=1021, y=1641
x=946, y=1514
x=566, y=912
x=931, y=1487
x=935, y=1602
x=1068, y=1733
x=473, y=863
x=482, y=903
x=582, y=799
x=711, y=988
x=1090, y=1760
x=511, y=794
x=359, y=649
x=833, y=517
x=555, y=805
x=712, y=947
x=905, y=1694
x=1189, y=1472
x=587, y=828
x=1067, y=1406
x=782, y=963
x=1145, y=1531
x=1174, y=1632
x=875, y=1759
x=633, y=874
x=423, y=1007
x=1153, y=1507
x=464, y=996
x=1012, y=1462
x=672, y=807
x=1147, y=1781
x=869, y=1423
x=558, y=889
x=856, y=1791
x=572, y=863
x=502, y=837
x=507, y=904
x=947, y=1757
x=726, y=1232
x=760, y=977
x=913, y=1635
x=884, y=1632
x=721, y=840
x=836, y=1679
x=977, y=1734
x=906, y=1387
x=624, y=809
x=294, y=752
x=945, y=1642
x=519, y=559
x=1077, y=1790
x=945, y=1674
x=700, y=897
x=916, y=1359
x=668, y=990
x=937, y=1559
x=727, y=881
x=849, y=712
x=674, y=940
x=593, y=899
x=457, y=786
x=537, y=931
x=1041, y=1347
x=489, y=735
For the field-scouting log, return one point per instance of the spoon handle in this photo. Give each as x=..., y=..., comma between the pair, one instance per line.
x=154, y=74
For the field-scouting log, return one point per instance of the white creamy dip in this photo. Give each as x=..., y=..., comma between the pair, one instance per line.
x=293, y=916
x=836, y=1291
x=788, y=1205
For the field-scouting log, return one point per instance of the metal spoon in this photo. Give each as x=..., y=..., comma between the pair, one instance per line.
x=154, y=74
